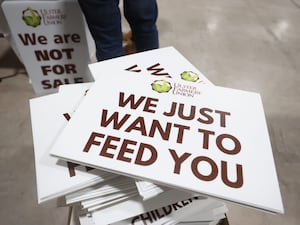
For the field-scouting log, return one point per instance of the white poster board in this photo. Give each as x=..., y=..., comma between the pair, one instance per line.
x=50, y=37
x=57, y=178
x=200, y=138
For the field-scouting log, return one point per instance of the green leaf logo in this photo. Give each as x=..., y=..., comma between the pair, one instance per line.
x=189, y=76
x=161, y=86
x=31, y=17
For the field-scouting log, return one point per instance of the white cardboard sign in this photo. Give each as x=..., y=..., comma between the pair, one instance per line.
x=51, y=39
x=48, y=117
x=200, y=138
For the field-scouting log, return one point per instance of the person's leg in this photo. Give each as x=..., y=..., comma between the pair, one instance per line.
x=141, y=16
x=104, y=21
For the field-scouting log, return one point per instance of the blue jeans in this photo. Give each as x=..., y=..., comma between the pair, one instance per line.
x=104, y=21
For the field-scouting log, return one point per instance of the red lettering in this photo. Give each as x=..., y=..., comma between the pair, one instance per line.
x=145, y=162
x=198, y=174
x=31, y=39
x=113, y=118
x=124, y=149
x=133, y=69
x=108, y=145
x=178, y=160
x=54, y=54
x=92, y=141
x=157, y=71
x=59, y=69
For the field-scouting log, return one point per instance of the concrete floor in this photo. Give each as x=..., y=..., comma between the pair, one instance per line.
x=245, y=44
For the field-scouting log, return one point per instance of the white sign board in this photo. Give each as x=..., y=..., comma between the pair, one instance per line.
x=50, y=37
x=56, y=178
x=200, y=138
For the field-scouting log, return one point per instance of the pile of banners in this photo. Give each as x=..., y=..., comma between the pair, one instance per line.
x=152, y=141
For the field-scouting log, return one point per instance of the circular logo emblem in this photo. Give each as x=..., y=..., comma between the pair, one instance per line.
x=189, y=76
x=161, y=86
x=31, y=17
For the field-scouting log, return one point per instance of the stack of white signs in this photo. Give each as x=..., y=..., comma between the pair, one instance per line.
x=150, y=136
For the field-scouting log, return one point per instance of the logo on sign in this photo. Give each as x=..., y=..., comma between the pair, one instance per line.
x=161, y=86
x=164, y=86
x=189, y=76
x=31, y=17
x=35, y=18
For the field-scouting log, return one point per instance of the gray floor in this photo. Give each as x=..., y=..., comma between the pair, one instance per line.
x=246, y=44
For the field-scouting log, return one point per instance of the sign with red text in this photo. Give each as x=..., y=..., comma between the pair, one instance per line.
x=51, y=39
x=200, y=138
x=163, y=62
